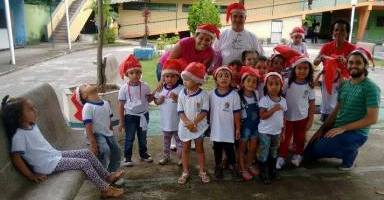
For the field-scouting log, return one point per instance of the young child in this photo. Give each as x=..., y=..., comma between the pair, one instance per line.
x=271, y=126
x=35, y=158
x=262, y=67
x=134, y=97
x=300, y=97
x=250, y=58
x=277, y=63
x=235, y=67
x=297, y=43
x=250, y=120
x=193, y=106
x=328, y=101
x=96, y=116
x=224, y=119
x=167, y=99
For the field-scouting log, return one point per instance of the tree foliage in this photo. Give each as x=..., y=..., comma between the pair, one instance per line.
x=203, y=11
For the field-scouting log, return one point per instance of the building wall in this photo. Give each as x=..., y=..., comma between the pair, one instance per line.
x=374, y=33
x=17, y=21
x=36, y=19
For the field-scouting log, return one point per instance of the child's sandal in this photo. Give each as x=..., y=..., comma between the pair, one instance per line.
x=183, y=178
x=204, y=177
x=115, y=176
x=253, y=170
x=246, y=175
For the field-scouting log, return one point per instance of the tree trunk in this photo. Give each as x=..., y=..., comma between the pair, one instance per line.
x=100, y=63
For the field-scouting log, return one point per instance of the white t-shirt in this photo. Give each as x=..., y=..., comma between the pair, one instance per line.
x=36, y=150
x=260, y=89
x=135, y=98
x=298, y=96
x=191, y=106
x=222, y=120
x=301, y=48
x=99, y=114
x=274, y=123
x=328, y=101
x=231, y=44
x=169, y=120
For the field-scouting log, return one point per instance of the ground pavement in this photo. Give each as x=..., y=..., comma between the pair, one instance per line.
x=150, y=181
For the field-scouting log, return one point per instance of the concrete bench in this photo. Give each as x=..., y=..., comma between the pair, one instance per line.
x=54, y=128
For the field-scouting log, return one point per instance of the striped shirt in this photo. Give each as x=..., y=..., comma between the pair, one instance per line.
x=354, y=100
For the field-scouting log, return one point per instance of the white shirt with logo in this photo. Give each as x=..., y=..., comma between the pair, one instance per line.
x=274, y=124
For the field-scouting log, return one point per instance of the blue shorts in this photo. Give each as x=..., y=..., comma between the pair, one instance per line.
x=247, y=134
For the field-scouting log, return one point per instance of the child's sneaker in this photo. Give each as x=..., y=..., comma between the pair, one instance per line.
x=164, y=160
x=147, y=158
x=343, y=167
x=112, y=192
x=180, y=163
x=204, y=177
x=280, y=163
x=219, y=173
x=128, y=163
x=296, y=160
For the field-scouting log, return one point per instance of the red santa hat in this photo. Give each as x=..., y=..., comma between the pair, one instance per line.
x=234, y=7
x=364, y=53
x=76, y=100
x=221, y=68
x=209, y=29
x=194, y=71
x=301, y=59
x=248, y=71
x=173, y=66
x=298, y=31
x=269, y=74
x=128, y=64
x=290, y=55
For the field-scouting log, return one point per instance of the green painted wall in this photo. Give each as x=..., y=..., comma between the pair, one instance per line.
x=374, y=33
x=36, y=18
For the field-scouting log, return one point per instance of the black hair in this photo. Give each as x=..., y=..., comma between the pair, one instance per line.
x=308, y=79
x=366, y=63
x=236, y=62
x=265, y=90
x=11, y=113
x=341, y=21
x=82, y=100
x=277, y=56
x=263, y=58
x=246, y=52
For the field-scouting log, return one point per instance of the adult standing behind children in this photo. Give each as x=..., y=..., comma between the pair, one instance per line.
x=357, y=108
x=193, y=49
x=235, y=40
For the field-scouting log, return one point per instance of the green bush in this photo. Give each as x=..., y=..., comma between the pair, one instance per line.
x=110, y=35
x=164, y=40
x=203, y=11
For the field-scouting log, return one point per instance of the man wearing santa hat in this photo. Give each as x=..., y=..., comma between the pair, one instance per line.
x=347, y=127
x=235, y=40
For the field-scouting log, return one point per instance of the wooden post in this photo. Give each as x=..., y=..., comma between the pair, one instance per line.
x=364, y=13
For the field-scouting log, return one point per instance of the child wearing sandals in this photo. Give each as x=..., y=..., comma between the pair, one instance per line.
x=35, y=158
x=96, y=116
x=167, y=97
x=224, y=119
x=193, y=106
x=250, y=120
x=271, y=126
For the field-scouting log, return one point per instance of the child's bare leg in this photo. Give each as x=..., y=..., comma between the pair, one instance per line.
x=185, y=156
x=242, y=161
x=200, y=153
x=251, y=152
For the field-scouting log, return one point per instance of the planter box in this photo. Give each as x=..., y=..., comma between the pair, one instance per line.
x=144, y=53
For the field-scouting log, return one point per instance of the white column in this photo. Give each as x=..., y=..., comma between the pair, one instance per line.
x=353, y=2
x=68, y=30
x=9, y=28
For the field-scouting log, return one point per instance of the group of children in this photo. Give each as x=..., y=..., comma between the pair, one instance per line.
x=259, y=106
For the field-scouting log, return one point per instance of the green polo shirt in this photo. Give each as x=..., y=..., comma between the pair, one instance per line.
x=354, y=101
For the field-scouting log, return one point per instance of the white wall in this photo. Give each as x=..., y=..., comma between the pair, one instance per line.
x=4, y=44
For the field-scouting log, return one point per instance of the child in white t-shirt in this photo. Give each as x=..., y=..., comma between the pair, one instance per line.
x=250, y=120
x=300, y=97
x=297, y=43
x=193, y=106
x=134, y=97
x=224, y=119
x=35, y=158
x=167, y=97
x=271, y=126
x=96, y=116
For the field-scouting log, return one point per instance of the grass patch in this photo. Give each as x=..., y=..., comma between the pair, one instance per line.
x=379, y=63
x=149, y=74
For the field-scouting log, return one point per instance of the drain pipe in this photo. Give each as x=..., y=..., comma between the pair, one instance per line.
x=68, y=31
x=9, y=28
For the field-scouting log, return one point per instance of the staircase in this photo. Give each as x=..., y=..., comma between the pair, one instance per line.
x=60, y=33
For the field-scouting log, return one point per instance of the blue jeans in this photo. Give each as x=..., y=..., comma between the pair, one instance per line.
x=109, y=152
x=132, y=126
x=343, y=146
